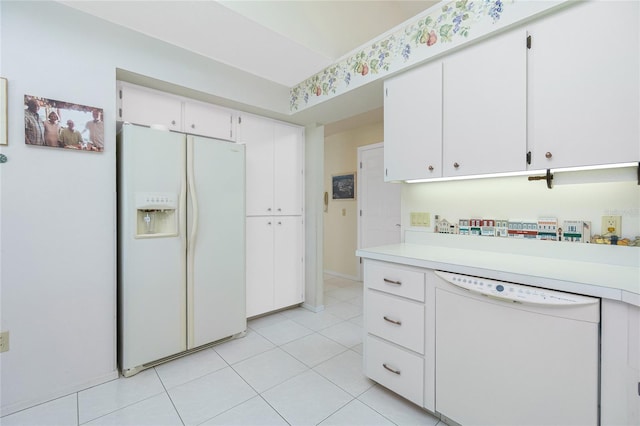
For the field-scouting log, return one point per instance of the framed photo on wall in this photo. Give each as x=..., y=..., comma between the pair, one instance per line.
x=344, y=186
x=60, y=124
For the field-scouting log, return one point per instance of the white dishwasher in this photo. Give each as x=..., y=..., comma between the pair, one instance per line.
x=510, y=354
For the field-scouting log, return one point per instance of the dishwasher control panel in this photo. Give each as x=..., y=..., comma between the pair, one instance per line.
x=514, y=292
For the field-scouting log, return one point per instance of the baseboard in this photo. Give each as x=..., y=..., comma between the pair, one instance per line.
x=339, y=275
x=314, y=309
x=23, y=405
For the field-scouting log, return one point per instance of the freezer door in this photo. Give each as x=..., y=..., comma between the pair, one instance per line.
x=151, y=271
x=216, y=235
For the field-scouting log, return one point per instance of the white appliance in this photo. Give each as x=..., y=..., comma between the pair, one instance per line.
x=509, y=354
x=181, y=244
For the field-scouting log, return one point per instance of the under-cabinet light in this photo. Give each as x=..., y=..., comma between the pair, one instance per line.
x=525, y=173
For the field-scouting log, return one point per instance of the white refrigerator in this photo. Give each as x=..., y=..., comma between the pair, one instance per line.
x=181, y=244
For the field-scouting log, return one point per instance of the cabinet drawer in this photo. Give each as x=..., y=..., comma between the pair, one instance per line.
x=400, y=321
x=394, y=368
x=395, y=280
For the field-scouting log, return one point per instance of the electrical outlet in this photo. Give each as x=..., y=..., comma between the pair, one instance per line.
x=612, y=225
x=4, y=341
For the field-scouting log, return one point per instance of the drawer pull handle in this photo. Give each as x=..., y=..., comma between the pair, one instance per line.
x=388, y=281
x=391, y=369
x=392, y=321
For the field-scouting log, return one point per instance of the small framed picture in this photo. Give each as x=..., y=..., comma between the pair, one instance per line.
x=3, y=111
x=344, y=186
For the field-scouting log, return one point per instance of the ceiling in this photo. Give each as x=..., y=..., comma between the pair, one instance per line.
x=282, y=41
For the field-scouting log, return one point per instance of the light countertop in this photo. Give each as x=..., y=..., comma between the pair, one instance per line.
x=609, y=272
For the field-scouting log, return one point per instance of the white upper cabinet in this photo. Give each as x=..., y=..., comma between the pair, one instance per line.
x=584, y=86
x=413, y=124
x=147, y=107
x=139, y=105
x=485, y=107
x=208, y=120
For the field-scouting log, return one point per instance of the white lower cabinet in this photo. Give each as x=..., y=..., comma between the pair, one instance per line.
x=620, y=364
x=274, y=272
x=399, y=344
x=395, y=319
x=398, y=321
x=395, y=368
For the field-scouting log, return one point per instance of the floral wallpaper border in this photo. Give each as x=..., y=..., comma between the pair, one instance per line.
x=440, y=28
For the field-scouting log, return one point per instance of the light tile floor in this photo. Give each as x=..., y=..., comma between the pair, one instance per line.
x=293, y=367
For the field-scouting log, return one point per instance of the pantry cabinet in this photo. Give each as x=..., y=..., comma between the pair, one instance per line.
x=584, y=87
x=413, y=124
x=485, y=107
x=274, y=263
x=274, y=208
x=274, y=156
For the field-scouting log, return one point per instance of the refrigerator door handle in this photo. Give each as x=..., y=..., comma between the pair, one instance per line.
x=194, y=197
x=192, y=240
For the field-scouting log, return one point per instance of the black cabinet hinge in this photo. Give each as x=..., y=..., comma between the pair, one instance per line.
x=529, y=157
x=529, y=42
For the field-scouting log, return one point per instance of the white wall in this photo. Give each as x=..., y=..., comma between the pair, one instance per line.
x=57, y=207
x=314, y=160
x=341, y=217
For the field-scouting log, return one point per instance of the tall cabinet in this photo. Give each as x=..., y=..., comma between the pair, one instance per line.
x=275, y=227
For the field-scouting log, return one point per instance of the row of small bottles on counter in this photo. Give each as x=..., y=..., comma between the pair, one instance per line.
x=545, y=228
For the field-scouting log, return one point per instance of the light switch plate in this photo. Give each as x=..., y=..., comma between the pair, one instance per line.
x=611, y=225
x=4, y=341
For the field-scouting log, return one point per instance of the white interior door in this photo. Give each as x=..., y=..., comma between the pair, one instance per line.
x=378, y=201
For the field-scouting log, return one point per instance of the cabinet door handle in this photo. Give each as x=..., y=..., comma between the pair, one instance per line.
x=392, y=321
x=173, y=122
x=430, y=168
x=391, y=369
x=456, y=165
x=269, y=209
x=388, y=281
x=548, y=155
x=193, y=126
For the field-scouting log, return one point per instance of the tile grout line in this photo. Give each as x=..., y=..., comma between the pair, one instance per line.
x=166, y=391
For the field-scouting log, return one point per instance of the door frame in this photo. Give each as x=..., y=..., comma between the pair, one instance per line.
x=359, y=198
